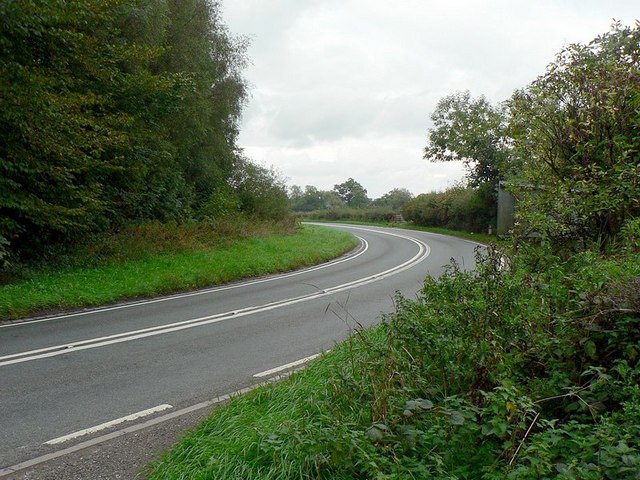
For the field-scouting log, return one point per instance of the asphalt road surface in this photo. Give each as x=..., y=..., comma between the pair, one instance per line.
x=68, y=379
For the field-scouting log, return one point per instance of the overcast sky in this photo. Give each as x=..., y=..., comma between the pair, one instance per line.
x=345, y=88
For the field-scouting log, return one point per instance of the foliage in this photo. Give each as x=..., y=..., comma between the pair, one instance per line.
x=473, y=131
x=112, y=112
x=352, y=194
x=313, y=199
x=394, y=199
x=460, y=208
x=577, y=134
x=261, y=192
x=371, y=214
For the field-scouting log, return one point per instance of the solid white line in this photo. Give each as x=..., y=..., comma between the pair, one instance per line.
x=363, y=249
x=423, y=253
x=267, y=373
x=104, y=426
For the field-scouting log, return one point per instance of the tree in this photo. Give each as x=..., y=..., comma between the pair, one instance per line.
x=197, y=47
x=470, y=130
x=395, y=199
x=352, y=193
x=576, y=131
x=112, y=112
x=261, y=192
x=308, y=200
x=331, y=200
x=61, y=132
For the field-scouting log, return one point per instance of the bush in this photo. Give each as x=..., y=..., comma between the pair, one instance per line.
x=377, y=214
x=260, y=191
x=458, y=208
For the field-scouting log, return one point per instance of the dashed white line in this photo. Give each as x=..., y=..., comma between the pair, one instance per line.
x=112, y=423
x=267, y=373
x=133, y=428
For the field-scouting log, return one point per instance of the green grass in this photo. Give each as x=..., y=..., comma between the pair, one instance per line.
x=183, y=262
x=272, y=432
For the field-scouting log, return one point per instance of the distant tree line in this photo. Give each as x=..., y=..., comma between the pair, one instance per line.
x=348, y=194
x=460, y=207
x=115, y=112
x=347, y=201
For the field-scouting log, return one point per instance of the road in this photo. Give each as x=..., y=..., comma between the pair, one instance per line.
x=60, y=376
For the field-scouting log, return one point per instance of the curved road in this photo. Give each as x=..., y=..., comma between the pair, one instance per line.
x=60, y=376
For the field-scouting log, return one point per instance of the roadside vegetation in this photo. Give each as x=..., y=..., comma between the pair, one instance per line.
x=117, y=114
x=528, y=367
x=154, y=259
x=524, y=372
x=463, y=207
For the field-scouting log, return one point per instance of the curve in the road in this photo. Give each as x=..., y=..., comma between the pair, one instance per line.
x=65, y=349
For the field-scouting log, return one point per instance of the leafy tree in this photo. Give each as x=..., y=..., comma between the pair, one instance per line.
x=112, y=112
x=198, y=48
x=470, y=130
x=261, y=192
x=352, y=193
x=395, y=199
x=576, y=130
x=61, y=134
x=309, y=199
x=331, y=200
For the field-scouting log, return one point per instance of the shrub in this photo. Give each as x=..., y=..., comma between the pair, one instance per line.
x=458, y=208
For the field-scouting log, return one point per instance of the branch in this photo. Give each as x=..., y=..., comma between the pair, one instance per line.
x=524, y=439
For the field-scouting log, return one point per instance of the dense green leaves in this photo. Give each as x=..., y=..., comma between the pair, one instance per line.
x=576, y=132
x=352, y=193
x=471, y=130
x=112, y=112
x=395, y=199
x=460, y=208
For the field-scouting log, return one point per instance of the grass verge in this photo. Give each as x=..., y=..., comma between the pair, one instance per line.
x=155, y=259
x=523, y=370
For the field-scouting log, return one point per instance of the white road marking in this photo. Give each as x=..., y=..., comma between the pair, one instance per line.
x=112, y=423
x=267, y=373
x=423, y=253
x=133, y=428
x=363, y=249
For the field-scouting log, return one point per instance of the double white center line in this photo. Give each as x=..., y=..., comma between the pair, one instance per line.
x=31, y=355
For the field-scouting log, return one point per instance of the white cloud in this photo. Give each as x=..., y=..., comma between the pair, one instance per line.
x=344, y=88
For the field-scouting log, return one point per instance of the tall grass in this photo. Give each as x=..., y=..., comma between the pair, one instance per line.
x=156, y=259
